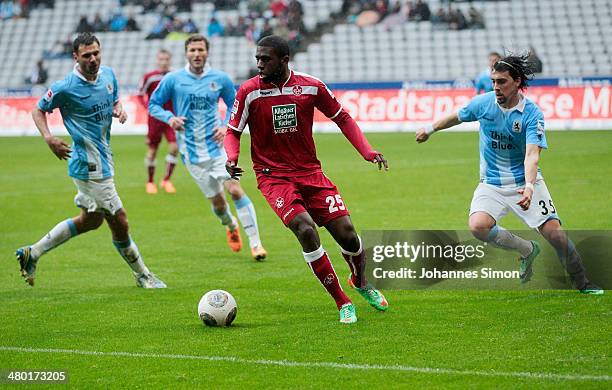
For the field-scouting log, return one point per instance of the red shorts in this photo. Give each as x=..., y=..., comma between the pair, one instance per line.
x=156, y=130
x=315, y=194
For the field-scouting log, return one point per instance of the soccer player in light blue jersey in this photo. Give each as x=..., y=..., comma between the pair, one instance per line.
x=483, y=82
x=195, y=92
x=511, y=139
x=88, y=99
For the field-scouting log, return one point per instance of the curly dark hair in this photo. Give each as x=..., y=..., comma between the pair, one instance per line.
x=519, y=67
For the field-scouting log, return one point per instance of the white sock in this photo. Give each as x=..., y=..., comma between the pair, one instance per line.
x=502, y=238
x=226, y=217
x=61, y=233
x=130, y=253
x=171, y=159
x=248, y=219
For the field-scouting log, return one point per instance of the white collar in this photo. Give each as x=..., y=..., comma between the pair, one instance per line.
x=77, y=72
x=198, y=76
x=520, y=106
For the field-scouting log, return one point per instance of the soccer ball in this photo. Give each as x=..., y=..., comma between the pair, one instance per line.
x=217, y=308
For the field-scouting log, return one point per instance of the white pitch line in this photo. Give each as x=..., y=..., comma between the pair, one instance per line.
x=345, y=366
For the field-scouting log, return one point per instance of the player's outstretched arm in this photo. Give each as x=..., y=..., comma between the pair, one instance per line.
x=57, y=145
x=353, y=133
x=423, y=135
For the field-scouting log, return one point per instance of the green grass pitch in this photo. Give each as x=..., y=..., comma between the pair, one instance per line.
x=286, y=333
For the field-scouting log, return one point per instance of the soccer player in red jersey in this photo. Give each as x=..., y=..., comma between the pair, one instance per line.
x=158, y=128
x=278, y=106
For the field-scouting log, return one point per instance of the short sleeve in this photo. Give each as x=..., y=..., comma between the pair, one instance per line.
x=240, y=112
x=326, y=102
x=160, y=96
x=53, y=98
x=115, y=87
x=535, y=130
x=228, y=94
x=469, y=113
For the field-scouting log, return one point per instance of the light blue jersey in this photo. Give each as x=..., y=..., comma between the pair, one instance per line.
x=504, y=134
x=195, y=97
x=87, y=112
x=483, y=82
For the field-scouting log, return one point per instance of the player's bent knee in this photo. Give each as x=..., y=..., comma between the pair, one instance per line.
x=218, y=202
x=480, y=230
x=303, y=227
x=234, y=188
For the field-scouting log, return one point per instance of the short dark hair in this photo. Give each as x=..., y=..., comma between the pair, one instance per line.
x=164, y=51
x=494, y=53
x=280, y=45
x=197, y=38
x=84, y=39
x=518, y=66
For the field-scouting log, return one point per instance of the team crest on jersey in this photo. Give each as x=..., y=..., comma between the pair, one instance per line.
x=109, y=88
x=280, y=202
x=516, y=126
x=214, y=86
x=48, y=96
x=297, y=90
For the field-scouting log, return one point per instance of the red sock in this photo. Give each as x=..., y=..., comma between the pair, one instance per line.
x=151, y=170
x=326, y=274
x=169, y=169
x=170, y=164
x=356, y=262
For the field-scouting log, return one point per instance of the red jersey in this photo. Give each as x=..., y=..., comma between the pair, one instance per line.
x=149, y=82
x=280, y=122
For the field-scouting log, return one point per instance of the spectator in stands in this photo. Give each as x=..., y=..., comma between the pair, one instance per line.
x=476, y=18
x=296, y=8
x=118, y=22
x=535, y=62
x=258, y=7
x=422, y=11
x=160, y=29
x=190, y=27
x=98, y=24
x=440, y=17
x=232, y=29
x=456, y=19
x=279, y=8
x=132, y=25
x=267, y=29
x=215, y=28
x=9, y=9
x=84, y=25
x=39, y=74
